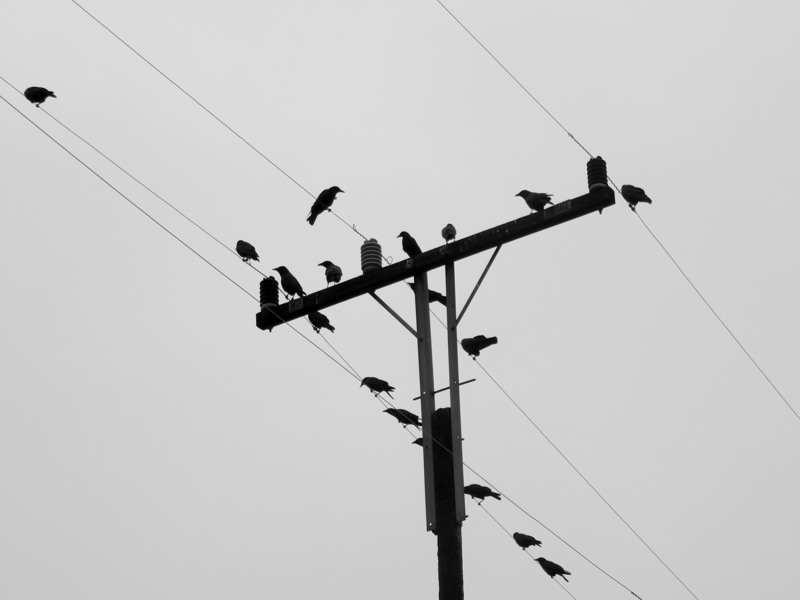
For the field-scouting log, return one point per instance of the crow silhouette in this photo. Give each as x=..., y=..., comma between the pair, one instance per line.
x=433, y=296
x=246, y=251
x=552, y=568
x=405, y=417
x=536, y=201
x=323, y=202
x=289, y=282
x=480, y=491
x=377, y=386
x=410, y=245
x=449, y=233
x=474, y=345
x=318, y=321
x=525, y=541
x=333, y=273
x=37, y=95
x=634, y=195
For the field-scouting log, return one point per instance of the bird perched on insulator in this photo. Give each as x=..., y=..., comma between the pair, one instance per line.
x=536, y=201
x=433, y=296
x=410, y=245
x=634, y=195
x=323, y=202
x=333, y=273
x=246, y=251
x=318, y=321
x=526, y=541
x=480, y=491
x=474, y=345
x=552, y=568
x=289, y=282
x=37, y=95
x=449, y=233
x=377, y=386
x=405, y=417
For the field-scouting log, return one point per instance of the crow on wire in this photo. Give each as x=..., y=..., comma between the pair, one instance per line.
x=552, y=568
x=246, y=251
x=37, y=95
x=289, y=282
x=318, y=321
x=634, y=195
x=405, y=417
x=410, y=245
x=525, y=541
x=449, y=233
x=480, y=491
x=433, y=296
x=536, y=201
x=474, y=345
x=377, y=386
x=333, y=273
x=323, y=202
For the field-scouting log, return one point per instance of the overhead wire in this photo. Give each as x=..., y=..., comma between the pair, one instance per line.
x=216, y=117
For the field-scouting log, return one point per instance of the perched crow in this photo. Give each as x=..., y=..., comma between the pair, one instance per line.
x=552, y=568
x=433, y=296
x=536, y=201
x=449, y=233
x=376, y=386
x=418, y=442
x=289, y=282
x=333, y=274
x=405, y=417
x=480, y=491
x=323, y=202
x=634, y=195
x=474, y=345
x=37, y=95
x=318, y=321
x=524, y=540
x=410, y=245
x=246, y=251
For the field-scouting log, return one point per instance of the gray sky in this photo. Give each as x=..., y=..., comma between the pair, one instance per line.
x=154, y=443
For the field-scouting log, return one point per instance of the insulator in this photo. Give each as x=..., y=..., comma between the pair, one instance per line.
x=597, y=173
x=269, y=292
x=370, y=256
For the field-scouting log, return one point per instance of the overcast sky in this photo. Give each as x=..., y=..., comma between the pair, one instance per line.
x=155, y=444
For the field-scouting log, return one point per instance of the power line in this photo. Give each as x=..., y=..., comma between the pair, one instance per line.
x=212, y=114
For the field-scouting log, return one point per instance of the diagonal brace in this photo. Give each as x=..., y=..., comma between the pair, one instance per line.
x=393, y=313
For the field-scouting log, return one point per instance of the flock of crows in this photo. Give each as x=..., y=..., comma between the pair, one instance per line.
x=536, y=201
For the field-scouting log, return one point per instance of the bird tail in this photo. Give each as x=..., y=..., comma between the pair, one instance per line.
x=491, y=340
x=301, y=293
x=442, y=300
x=495, y=495
x=565, y=573
x=312, y=218
x=331, y=327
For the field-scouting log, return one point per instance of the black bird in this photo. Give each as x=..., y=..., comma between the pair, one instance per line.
x=323, y=202
x=333, y=274
x=449, y=233
x=246, y=251
x=552, y=568
x=405, y=417
x=480, y=491
x=536, y=201
x=37, y=95
x=318, y=321
x=289, y=282
x=418, y=442
x=634, y=195
x=377, y=386
x=474, y=345
x=433, y=296
x=410, y=245
x=525, y=541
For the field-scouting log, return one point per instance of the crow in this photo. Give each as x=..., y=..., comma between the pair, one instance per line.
x=376, y=386
x=246, y=251
x=449, y=233
x=524, y=540
x=37, y=95
x=480, y=491
x=405, y=417
x=289, y=282
x=552, y=568
x=323, y=202
x=634, y=195
x=410, y=245
x=433, y=296
x=536, y=201
x=333, y=274
x=474, y=345
x=318, y=321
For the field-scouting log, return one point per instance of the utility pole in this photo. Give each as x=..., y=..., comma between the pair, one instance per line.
x=441, y=429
